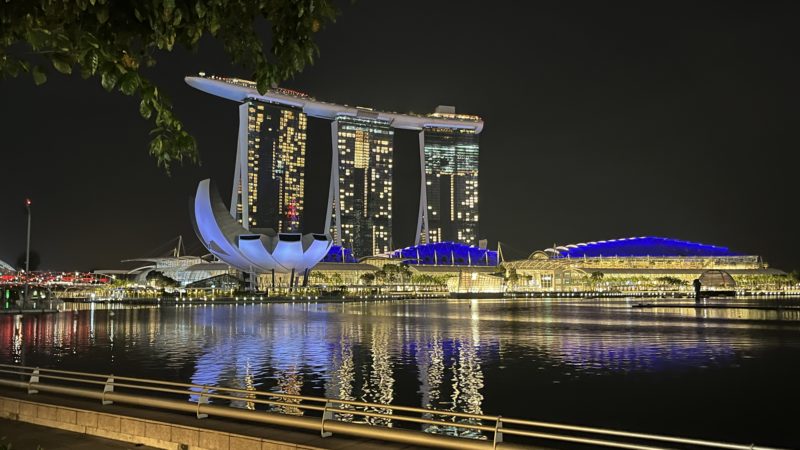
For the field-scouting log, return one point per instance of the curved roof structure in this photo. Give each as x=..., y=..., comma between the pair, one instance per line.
x=339, y=254
x=5, y=267
x=638, y=246
x=447, y=253
x=250, y=250
x=718, y=279
x=243, y=90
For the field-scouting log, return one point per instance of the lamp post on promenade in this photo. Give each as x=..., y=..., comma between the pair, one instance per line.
x=27, y=252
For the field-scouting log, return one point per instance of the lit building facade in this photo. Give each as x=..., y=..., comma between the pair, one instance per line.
x=451, y=185
x=645, y=263
x=362, y=207
x=269, y=179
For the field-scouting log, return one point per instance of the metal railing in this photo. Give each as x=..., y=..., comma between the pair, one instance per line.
x=290, y=411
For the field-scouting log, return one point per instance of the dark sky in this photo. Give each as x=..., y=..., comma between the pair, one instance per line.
x=603, y=120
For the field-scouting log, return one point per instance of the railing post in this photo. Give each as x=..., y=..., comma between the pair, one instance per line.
x=34, y=379
x=109, y=387
x=498, y=433
x=202, y=400
x=326, y=415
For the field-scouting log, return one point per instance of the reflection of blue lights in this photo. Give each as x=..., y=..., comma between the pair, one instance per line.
x=337, y=253
x=608, y=355
x=641, y=246
x=447, y=254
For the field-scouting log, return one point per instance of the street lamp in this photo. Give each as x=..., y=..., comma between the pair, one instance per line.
x=27, y=252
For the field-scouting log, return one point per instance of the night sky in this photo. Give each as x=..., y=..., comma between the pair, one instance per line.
x=603, y=120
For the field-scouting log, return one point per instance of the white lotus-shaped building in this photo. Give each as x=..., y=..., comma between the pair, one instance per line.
x=254, y=250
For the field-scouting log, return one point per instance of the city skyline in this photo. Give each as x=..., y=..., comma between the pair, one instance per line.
x=360, y=186
x=613, y=122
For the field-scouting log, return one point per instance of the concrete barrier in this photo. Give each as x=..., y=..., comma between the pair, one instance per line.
x=134, y=430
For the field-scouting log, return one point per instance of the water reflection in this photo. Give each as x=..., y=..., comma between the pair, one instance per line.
x=453, y=356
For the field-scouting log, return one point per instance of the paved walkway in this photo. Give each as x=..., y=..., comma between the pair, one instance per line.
x=227, y=425
x=27, y=436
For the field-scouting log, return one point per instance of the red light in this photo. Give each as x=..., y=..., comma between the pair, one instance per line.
x=27, y=202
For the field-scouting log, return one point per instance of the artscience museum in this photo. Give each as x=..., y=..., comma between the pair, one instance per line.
x=255, y=251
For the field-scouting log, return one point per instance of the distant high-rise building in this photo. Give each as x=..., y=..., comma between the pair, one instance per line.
x=269, y=178
x=450, y=194
x=362, y=207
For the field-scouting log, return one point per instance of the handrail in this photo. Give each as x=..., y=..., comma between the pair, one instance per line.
x=598, y=437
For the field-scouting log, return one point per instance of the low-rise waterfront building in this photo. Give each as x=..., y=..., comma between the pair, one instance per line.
x=639, y=264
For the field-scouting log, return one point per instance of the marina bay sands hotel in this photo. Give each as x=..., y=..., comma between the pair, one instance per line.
x=269, y=178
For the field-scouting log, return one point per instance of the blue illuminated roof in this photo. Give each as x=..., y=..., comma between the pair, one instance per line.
x=447, y=254
x=339, y=254
x=639, y=246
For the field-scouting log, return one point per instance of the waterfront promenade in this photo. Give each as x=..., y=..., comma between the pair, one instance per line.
x=114, y=426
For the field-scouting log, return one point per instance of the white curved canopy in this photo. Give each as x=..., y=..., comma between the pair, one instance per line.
x=252, y=252
x=4, y=266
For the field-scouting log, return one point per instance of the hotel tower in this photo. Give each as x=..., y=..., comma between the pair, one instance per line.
x=362, y=207
x=269, y=176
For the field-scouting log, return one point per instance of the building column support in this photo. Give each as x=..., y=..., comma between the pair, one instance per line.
x=334, y=203
x=240, y=175
x=422, y=236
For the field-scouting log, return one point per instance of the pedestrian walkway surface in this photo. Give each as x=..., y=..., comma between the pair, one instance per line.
x=27, y=436
x=280, y=434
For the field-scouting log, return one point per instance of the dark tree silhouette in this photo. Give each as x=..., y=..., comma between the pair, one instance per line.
x=112, y=41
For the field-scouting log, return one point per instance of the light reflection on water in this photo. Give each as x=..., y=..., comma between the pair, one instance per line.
x=568, y=360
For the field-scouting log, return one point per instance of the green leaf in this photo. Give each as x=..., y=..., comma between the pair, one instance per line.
x=156, y=145
x=62, y=64
x=102, y=14
x=262, y=84
x=200, y=9
x=94, y=63
x=38, y=37
x=129, y=83
x=213, y=25
x=39, y=76
x=10, y=67
x=145, y=110
x=169, y=6
x=109, y=80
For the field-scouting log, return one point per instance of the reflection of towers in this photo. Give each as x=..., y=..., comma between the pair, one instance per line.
x=247, y=383
x=430, y=359
x=449, y=200
x=467, y=378
x=342, y=373
x=290, y=382
x=460, y=357
x=362, y=205
x=379, y=385
x=269, y=178
x=340, y=383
